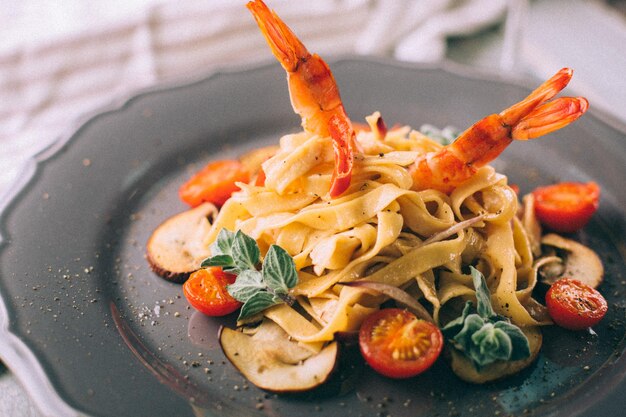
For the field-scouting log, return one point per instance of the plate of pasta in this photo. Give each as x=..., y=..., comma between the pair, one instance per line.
x=202, y=250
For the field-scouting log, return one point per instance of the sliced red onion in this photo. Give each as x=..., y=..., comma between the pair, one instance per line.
x=395, y=293
x=452, y=230
x=382, y=127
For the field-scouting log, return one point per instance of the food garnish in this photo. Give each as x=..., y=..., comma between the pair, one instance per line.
x=484, y=336
x=445, y=136
x=465, y=369
x=237, y=253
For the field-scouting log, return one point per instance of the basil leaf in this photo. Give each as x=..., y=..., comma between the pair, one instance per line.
x=225, y=261
x=257, y=303
x=239, y=253
x=223, y=244
x=455, y=326
x=245, y=251
x=279, y=270
x=445, y=136
x=221, y=252
x=485, y=337
x=519, y=341
x=483, y=297
x=490, y=344
x=248, y=283
x=472, y=324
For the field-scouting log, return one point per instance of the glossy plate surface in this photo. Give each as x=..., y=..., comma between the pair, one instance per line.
x=90, y=330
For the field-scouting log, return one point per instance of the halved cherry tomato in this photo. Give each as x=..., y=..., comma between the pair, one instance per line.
x=214, y=183
x=567, y=206
x=574, y=305
x=397, y=344
x=206, y=292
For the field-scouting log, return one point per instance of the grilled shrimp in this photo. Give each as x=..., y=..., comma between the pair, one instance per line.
x=481, y=143
x=313, y=91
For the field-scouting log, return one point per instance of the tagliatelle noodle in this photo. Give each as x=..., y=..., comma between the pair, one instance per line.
x=500, y=252
x=375, y=231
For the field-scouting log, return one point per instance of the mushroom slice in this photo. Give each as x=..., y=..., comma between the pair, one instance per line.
x=463, y=367
x=579, y=262
x=177, y=247
x=273, y=362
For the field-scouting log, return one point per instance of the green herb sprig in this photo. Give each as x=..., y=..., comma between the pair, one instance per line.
x=444, y=136
x=239, y=254
x=484, y=336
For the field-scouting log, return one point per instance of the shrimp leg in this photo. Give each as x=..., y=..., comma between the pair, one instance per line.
x=313, y=91
x=485, y=140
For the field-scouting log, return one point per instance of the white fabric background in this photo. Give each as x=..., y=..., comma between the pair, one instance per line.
x=69, y=57
x=65, y=58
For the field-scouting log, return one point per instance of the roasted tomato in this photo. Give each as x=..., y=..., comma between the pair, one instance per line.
x=574, y=305
x=215, y=183
x=567, y=206
x=206, y=292
x=397, y=344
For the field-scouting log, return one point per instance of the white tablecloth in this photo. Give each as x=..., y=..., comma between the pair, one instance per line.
x=61, y=62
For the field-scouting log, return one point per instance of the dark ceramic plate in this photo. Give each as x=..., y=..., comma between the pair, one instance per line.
x=90, y=330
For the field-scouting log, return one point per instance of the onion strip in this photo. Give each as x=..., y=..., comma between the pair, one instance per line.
x=444, y=234
x=395, y=293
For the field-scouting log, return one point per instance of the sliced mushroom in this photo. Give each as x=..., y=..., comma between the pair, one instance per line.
x=272, y=362
x=578, y=262
x=177, y=247
x=463, y=367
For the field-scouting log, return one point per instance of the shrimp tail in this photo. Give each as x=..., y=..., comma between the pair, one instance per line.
x=540, y=95
x=283, y=43
x=549, y=117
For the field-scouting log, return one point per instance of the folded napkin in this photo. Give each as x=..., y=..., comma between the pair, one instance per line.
x=98, y=52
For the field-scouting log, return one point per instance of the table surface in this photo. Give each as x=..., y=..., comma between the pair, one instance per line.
x=542, y=36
